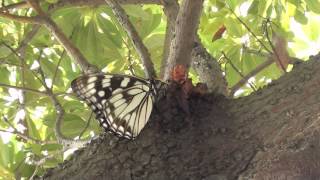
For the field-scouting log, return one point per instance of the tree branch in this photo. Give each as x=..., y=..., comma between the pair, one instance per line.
x=66, y=142
x=134, y=36
x=27, y=138
x=24, y=136
x=73, y=51
x=258, y=69
x=18, y=5
x=171, y=9
x=209, y=70
x=205, y=65
x=250, y=31
x=22, y=19
x=186, y=25
x=62, y=3
x=24, y=89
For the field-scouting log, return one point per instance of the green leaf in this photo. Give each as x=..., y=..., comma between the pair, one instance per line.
x=313, y=5
x=136, y=11
x=300, y=17
x=4, y=51
x=52, y=1
x=253, y=9
x=232, y=3
x=48, y=67
x=72, y=125
x=233, y=28
x=51, y=147
x=25, y=170
x=4, y=75
x=154, y=41
x=33, y=131
x=111, y=32
x=7, y=152
x=49, y=120
x=312, y=30
x=269, y=10
x=73, y=106
x=31, y=81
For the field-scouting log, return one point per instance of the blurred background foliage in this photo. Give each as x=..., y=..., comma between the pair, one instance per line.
x=240, y=34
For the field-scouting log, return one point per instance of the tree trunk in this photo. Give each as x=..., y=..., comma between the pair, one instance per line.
x=271, y=134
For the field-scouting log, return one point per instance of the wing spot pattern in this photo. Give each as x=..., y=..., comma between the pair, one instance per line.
x=125, y=82
x=101, y=93
x=92, y=79
x=122, y=104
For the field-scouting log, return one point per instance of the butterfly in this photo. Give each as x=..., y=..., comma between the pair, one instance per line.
x=122, y=103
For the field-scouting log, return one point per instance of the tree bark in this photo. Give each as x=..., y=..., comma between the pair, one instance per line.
x=271, y=134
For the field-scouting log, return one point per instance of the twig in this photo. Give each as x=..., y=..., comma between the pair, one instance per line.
x=238, y=71
x=293, y=60
x=274, y=49
x=74, y=52
x=22, y=19
x=23, y=93
x=34, y=173
x=66, y=142
x=250, y=31
x=43, y=160
x=28, y=37
x=185, y=30
x=245, y=78
x=18, y=5
x=24, y=89
x=23, y=136
x=141, y=49
x=57, y=68
x=131, y=69
x=27, y=138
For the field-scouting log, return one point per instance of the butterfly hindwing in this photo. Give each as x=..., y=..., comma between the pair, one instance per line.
x=122, y=103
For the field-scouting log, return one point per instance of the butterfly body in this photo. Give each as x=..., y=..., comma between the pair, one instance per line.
x=122, y=103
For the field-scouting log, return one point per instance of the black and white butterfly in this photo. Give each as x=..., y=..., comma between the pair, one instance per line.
x=122, y=103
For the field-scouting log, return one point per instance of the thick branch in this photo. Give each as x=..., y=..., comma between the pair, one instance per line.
x=134, y=36
x=185, y=32
x=209, y=71
x=63, y=3
x=273, y=131
x=205, y=65
x=171, y=9
x=102, y=2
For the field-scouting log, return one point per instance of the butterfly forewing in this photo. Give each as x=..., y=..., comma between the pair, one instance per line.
x=122, y=103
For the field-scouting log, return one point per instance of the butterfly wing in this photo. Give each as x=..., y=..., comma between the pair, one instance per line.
x=122, y=103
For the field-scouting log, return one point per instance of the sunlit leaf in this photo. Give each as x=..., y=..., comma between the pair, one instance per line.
x=313, y=5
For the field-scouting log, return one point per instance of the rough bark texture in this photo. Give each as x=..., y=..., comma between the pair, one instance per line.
x=271, y=134
x=208, y=70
